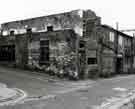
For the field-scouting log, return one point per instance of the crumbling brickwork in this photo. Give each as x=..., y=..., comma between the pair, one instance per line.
x=72, y=41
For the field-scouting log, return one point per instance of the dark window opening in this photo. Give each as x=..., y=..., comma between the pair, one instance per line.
x=7, y=53
x=44, y=43
x=44, y=52
x=82, y=44
x=12, y=32
x=49, y=28
x=29, y=30
x=92, y=61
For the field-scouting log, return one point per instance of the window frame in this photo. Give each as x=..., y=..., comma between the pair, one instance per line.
x=111, y=36
x=93, y=62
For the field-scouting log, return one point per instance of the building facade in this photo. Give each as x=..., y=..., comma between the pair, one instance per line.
x=116, y=50
x=74, y=41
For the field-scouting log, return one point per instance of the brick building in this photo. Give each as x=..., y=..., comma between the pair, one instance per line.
x=73, y=41
x=116, y=50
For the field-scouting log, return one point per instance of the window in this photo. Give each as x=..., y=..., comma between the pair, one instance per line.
x=5, y=33
x=44, y=51
x=120, y=40
x=34, y=29
x=20, y=31
x=82, y=44
x=12, y=32
x=49, y=28
x=7, y=53
x=111, y=36
x=29, y=30
x=91, y=61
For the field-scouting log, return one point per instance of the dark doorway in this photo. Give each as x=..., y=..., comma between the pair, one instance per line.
x=119, y=65
x=44, y=52
x=82, y=62
x=7, y=53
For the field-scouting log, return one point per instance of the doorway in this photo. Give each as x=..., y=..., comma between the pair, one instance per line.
x=44, y=52
x=119, y=65
x=7, y=53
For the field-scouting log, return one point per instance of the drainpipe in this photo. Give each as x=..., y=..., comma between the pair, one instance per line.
x=132, y=52
x=29, y=33
x=1, y=32
x=99, y=55
x=28, y=40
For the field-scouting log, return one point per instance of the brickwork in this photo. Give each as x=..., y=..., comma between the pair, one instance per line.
x=101, y=51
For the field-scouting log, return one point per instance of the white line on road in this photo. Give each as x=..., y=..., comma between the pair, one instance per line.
x=120, y=89
x=117, y=79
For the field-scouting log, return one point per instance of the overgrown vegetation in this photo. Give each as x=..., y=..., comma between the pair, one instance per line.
x=61, y=66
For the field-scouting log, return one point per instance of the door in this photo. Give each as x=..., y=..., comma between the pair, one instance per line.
x=119, y=65
x=7, y=53
x=44, y=52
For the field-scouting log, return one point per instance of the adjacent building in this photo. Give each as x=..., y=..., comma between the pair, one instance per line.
x=116, y=50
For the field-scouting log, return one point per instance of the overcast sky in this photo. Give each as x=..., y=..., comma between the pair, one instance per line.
x=111, y=11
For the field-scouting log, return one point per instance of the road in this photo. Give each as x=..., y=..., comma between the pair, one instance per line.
x=45, y=92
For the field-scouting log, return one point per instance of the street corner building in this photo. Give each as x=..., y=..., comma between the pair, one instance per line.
x=74, y=41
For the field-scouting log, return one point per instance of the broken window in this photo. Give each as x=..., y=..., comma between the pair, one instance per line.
x=91, y=61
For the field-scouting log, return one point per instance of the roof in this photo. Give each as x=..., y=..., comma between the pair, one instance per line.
x=119, y=32
x=51, y=15
x=80, y=12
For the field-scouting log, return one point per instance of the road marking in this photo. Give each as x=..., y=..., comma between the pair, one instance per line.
x=117, y=79
x=117, y=104
x=38, y=98
x=73, y=89
x=120, y=89
x=12, y=102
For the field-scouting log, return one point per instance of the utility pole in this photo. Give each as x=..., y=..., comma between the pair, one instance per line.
x=117, y=25
x=132, y=51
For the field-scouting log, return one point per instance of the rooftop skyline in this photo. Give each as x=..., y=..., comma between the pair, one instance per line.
x=110, y=11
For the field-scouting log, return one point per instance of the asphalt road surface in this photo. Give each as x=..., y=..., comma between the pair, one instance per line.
x=45, y=92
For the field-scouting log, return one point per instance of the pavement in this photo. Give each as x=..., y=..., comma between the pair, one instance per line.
x=45, y=92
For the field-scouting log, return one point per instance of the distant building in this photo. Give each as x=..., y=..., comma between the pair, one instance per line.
x=74, y=41
x=117, y=50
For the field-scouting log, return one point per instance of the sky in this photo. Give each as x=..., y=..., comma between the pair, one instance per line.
x=111, y=11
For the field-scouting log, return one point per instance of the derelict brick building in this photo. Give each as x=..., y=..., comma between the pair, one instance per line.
x=72, y=41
